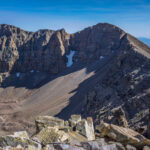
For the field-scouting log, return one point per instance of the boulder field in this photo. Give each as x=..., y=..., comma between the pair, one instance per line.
x=76, y=133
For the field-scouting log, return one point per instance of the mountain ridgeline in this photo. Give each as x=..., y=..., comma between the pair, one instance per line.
x=109, y=69
x=45, y=50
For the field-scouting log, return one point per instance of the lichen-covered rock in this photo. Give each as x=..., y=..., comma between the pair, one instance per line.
x=118, y=145
x=119, y=117
x=3, y=142
x=19, y=140
x=49, y=147
x=76, y=137
x=110, y=147
x=13, y=148
x=51, y=135
x=14, y=141
x=130, y=147
x=67, y=147
x=96, y=145
x=74, y=119
x=48, y=121
x=146, y=148
x=21, y=134
x=56, y=136
x=123, y=135
x=85, y=128
x=32, y=147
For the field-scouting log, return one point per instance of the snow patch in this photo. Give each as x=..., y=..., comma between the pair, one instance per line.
x=101, y=57
x=32, y=71
x=18, y=74
x=70, y=56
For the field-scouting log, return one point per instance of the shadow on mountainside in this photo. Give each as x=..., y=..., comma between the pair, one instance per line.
x=110, y=72
x=77, y=101
x=34, y=80
x=119, y=80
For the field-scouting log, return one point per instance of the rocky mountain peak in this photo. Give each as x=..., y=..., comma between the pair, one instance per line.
x=45, y=46
x=90, y=72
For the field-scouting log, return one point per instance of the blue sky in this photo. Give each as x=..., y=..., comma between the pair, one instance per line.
x=131, y=15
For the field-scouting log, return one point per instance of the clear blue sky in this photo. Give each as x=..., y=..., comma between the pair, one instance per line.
x=73, y=15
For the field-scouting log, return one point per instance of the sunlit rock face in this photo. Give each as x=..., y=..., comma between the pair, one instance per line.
x=22, y=51
x=46, y=50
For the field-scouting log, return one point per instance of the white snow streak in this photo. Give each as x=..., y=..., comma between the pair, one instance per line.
x=18, y=74
x=70, y=56
x=101, y=57
x=32, y=71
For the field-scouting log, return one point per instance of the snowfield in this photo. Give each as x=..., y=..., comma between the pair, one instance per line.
x=70, y=56
x=18, y=74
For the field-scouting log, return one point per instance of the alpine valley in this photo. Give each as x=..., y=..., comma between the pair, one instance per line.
x=100, y=72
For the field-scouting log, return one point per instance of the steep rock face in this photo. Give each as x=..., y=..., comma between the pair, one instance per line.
x=24, y=51
x=11, y=38
x=124, y=83
x=96, y=41
x=45, y=50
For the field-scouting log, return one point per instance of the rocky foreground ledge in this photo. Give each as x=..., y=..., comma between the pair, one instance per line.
x=75, y=134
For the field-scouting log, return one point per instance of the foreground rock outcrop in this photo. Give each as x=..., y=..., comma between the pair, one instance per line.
x=83, y=127
x=75, y=134
x=123, y=135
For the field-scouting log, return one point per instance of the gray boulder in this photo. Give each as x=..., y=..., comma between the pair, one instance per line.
x=85, y=128
x=67, y=147
x=48, y=121
x=130, y=147
x=118, y=145
x=146, y=148
x=74, y=119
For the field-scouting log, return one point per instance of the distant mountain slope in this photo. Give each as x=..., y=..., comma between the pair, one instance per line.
x=109, y=69
x=145, y=40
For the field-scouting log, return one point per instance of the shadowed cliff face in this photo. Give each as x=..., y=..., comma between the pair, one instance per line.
x=110, y=69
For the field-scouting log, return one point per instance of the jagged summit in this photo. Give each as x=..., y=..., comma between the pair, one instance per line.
x=108, y=69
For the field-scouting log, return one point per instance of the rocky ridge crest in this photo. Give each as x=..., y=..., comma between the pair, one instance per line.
x=75, y=134
x=45, y=50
